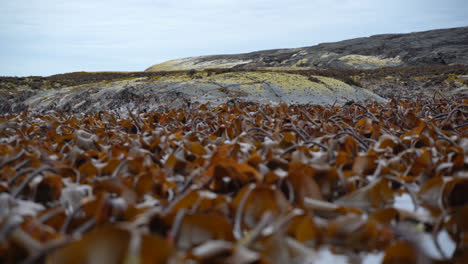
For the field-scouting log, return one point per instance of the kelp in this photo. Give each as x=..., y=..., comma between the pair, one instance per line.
x=236, y=183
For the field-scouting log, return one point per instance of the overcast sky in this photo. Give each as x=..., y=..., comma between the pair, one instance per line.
x=45, y=37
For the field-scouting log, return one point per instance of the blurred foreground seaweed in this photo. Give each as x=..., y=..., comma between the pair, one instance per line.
x=239, y=183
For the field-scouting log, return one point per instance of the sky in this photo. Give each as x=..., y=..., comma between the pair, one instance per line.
x=46, y=37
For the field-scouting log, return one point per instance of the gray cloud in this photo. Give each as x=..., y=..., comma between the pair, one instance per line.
x=53, y=36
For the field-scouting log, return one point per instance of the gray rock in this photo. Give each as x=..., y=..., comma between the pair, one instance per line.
x=435, y=47
x=178, y=91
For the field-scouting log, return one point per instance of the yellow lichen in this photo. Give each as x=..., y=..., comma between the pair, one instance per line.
x=254, y=81
x=452, y=77
x=299, y=63
x=196, y=63
x=369, y=61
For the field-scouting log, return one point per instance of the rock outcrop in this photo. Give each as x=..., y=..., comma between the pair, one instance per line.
x=435, y=47
x=182, y=90
x=88, y=92
x=428, y=64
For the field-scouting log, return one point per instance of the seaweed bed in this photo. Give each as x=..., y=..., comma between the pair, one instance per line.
x=238, y=183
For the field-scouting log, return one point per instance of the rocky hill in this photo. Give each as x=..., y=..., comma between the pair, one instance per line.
x=89, y=92
x=333, y=73
x=435, y=47
x=185, y=89
x=236, y=165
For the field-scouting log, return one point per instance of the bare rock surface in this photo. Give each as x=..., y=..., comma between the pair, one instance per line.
x=182, y=90
x=435, y=47
x=88, y=92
